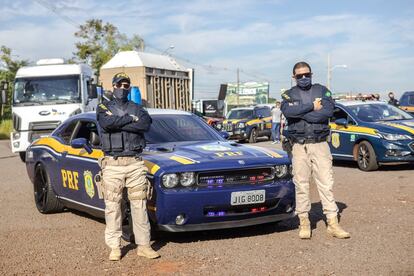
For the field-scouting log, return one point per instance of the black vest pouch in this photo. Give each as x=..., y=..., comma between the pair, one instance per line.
x=106, y=142
x=117, y=141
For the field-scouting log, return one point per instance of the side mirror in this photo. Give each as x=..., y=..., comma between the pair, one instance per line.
x=92, y=91
x=80, y=143
x=342, y=122
x=224, y=134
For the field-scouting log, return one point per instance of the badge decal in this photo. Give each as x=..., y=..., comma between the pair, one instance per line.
x=89, y=188
x=335, y=140
x=214, y=148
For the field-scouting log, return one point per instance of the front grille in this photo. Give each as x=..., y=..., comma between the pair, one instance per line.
x=34, y=135
x=228, y=127
x=48, y=125
x=411, y=146
x=235, y=177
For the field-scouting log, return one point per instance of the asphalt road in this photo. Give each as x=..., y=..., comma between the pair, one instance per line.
x=377, y=208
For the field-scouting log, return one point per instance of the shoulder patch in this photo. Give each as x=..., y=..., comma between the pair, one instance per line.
x=285, y=96
x=328, y=93
x=103, y=106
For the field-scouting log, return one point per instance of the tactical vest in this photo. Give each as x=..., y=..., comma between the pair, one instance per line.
x=299, y=129
x=122, y=143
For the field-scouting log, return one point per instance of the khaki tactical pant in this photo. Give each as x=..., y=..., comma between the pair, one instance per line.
x=116, y=175
x=313, y=160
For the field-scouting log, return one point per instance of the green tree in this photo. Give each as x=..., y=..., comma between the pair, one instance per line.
x=101, y=41
x=8, y=70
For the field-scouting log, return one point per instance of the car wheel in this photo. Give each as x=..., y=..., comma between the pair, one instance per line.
x=366, y=158
x=45, y=198
x=253, y=136
x=22, y=155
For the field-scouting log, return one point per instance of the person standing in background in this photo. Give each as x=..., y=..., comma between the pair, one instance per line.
x=276, y=113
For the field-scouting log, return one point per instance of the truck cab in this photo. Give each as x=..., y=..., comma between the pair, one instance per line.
x=45, y=95
x=407, y=102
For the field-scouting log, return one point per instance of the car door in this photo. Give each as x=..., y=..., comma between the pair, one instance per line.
x=78, y=168
x=342, y=137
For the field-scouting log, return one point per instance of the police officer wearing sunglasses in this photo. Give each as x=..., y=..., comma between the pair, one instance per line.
x=307, y=108
x=122, y=124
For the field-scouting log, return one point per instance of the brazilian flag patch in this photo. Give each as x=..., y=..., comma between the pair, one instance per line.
x=328, y=93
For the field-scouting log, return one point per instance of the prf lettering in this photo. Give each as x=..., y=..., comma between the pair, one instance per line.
x=70, y=179
x=229, y=153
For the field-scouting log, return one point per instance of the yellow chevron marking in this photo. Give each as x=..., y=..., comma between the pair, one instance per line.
x=406, y=128
x=182, y=160
x=268, y=152
x=59, y=147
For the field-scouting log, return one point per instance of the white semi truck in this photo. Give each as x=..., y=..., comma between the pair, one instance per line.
x=45, y=95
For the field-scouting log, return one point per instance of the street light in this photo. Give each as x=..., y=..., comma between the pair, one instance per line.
x=166, y=50
x=330, y=69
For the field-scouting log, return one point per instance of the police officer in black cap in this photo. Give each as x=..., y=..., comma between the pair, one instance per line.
x=122, y=125
x=307, y=108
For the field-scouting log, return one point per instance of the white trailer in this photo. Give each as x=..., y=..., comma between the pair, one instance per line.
x=45, y=95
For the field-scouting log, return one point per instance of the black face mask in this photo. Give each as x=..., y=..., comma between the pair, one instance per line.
x=304, y=83
x=121, y=94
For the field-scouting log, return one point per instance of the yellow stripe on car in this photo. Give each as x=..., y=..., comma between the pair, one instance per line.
x=351, y=129
x=406, y=128
x=183, y=160
x=268, y=152
x=59, y=147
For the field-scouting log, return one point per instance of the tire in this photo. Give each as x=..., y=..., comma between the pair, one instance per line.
x=366, y=158
x=253, y=136
x=22, y=155
x=44, y=196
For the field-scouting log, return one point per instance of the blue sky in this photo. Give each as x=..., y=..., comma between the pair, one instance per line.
x=375, y=39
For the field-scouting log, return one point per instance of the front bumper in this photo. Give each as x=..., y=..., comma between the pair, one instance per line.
x=197, y=204
x=225, y=224
x=238, y=135
x=395, y=151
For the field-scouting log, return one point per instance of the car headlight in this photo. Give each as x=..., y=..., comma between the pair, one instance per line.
x=170, y=180
x=16, y=135
x=394, y=137
x=187, y=179
x=281, y=171
x=241, y=125
x=219, y=126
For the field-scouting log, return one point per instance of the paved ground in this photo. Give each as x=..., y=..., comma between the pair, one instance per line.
x=376, y=207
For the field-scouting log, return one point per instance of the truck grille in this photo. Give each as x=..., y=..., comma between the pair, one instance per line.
x=235, y=177
x=228, y=127
x=411, y=146
x=48, y=125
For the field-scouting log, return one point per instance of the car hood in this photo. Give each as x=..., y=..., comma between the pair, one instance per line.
x=398, y=126
x=235, y=121
x=200, y=156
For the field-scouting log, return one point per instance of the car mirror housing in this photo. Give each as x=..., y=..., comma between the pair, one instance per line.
x=341, y=122
x=224, y=134
x=80, y=143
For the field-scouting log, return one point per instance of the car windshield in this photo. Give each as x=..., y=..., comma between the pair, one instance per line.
x=240, y=114
x=46, y=90
x=378, y=112
x=179, y=128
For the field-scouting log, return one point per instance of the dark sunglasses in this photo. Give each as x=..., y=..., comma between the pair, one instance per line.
x=124, y=85
x=306, y=75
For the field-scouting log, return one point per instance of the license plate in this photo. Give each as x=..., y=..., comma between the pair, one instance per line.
x=248, y=197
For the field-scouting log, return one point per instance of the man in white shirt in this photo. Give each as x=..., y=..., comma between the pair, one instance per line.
x=276, y=113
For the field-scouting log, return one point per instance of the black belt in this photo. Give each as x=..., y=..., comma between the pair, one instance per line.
x=303, y=141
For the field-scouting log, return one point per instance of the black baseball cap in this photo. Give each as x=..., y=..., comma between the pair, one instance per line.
x=120, y=77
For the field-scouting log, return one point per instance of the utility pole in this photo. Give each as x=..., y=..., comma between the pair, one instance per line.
x=238, y=85
x=328, y=82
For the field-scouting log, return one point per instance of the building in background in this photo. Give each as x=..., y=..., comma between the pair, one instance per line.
x=162, y=81
x=246, y=94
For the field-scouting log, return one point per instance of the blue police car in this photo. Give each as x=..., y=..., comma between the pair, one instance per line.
x=199, y=180
x=371, y=133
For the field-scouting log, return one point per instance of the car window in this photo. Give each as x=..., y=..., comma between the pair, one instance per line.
x=263, y=112
x=66, y=132
x=240, y=114
x=411, y=99
x=379, y=112
x=179, y=128
x=339, y=113
x=89, y=131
